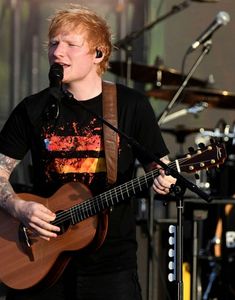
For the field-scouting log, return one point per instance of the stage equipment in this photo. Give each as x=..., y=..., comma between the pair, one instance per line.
x=191, y=95
x=158, y=75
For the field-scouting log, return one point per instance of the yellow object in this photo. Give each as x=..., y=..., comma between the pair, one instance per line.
x=186, y=280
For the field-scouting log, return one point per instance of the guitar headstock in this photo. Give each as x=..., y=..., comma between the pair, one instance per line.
x=204, y=157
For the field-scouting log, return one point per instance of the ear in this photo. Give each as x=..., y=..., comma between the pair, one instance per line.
x=99, y=53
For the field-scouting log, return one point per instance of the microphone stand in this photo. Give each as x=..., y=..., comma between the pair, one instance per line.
x=123, y=43
x=126, y=42
x=206, y=49
x=178, y=189
x=179, y=202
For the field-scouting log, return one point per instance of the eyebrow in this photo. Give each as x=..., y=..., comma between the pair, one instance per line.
x=69, y=40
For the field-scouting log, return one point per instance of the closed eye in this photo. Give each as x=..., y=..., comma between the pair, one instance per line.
x=53, y=44
x=75, y=45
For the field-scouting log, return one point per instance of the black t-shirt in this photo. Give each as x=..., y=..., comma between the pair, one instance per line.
x=70, y=148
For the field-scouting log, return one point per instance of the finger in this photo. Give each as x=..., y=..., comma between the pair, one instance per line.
x=48, y=214
x=160, y=190
x=33, y=234
x=46, y=217
x=43, y=218
x=38, y=223
x=37, y=230
x=165, y=181
x=160, y=183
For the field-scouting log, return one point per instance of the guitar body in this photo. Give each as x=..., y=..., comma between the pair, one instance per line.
x=25, y=266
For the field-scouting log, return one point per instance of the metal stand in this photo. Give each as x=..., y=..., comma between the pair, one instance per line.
x=198, y=215
x=206, y=49
x=150, y=245
x=126, y=42
x=179, y=192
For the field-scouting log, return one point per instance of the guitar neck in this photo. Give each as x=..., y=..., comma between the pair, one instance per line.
x=210, y=156
x=111, y=197
x=99, y=203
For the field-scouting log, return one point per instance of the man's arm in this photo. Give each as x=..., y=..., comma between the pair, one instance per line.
x=34, y=216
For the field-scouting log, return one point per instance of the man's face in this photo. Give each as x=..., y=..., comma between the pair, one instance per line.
x=72, y=51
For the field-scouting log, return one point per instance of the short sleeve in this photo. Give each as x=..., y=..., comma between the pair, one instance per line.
x=14, y=136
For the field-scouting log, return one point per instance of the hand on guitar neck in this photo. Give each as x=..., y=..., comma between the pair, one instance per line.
x=162, y=183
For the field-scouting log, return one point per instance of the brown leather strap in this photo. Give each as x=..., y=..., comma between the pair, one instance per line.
x=109, y=100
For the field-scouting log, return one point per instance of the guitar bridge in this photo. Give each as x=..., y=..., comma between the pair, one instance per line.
x=26, y=237
x=25, y=241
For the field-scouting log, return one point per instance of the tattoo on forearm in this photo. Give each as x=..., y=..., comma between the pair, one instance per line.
x=6, y=192
x=7, y=165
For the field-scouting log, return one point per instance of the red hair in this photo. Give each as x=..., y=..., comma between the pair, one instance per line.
x=83, y=20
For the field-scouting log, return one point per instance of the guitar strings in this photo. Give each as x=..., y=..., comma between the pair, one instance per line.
x=85, y=208
x=89, y=203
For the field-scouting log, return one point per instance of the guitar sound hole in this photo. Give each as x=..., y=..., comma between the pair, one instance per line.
x=64, y=225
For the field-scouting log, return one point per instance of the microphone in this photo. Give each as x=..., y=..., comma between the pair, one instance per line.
x=56, y=75
x=221, y=19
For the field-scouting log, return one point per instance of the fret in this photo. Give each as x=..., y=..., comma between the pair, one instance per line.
x=140, y=187
x=121, y=193
x=133, y=187
x=146, y=181
x=85, y=212
x=106, y=199
x=93, y=210
x=110, y=197
x=83, y=217
x=98, y=202
x=72, y=215
x=116, y=194
x=127, y=191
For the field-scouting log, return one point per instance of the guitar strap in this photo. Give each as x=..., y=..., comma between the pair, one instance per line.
x=109, y=101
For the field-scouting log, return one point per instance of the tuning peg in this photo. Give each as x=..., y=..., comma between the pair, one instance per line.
x=201, y=146
x=191, y=150
x=212, y=141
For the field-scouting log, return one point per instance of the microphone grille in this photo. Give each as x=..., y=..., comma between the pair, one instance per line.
x=223, y=17
x=56, y=75
x=56, y=70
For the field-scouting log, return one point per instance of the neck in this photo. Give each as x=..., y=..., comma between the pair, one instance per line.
x=85, y=90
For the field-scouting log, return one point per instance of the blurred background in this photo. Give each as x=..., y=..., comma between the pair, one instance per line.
x=153, y=38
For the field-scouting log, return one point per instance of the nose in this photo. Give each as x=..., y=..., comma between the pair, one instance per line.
x=57, y=50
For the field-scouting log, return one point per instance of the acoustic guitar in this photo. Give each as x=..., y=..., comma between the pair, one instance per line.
x=27, y=261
